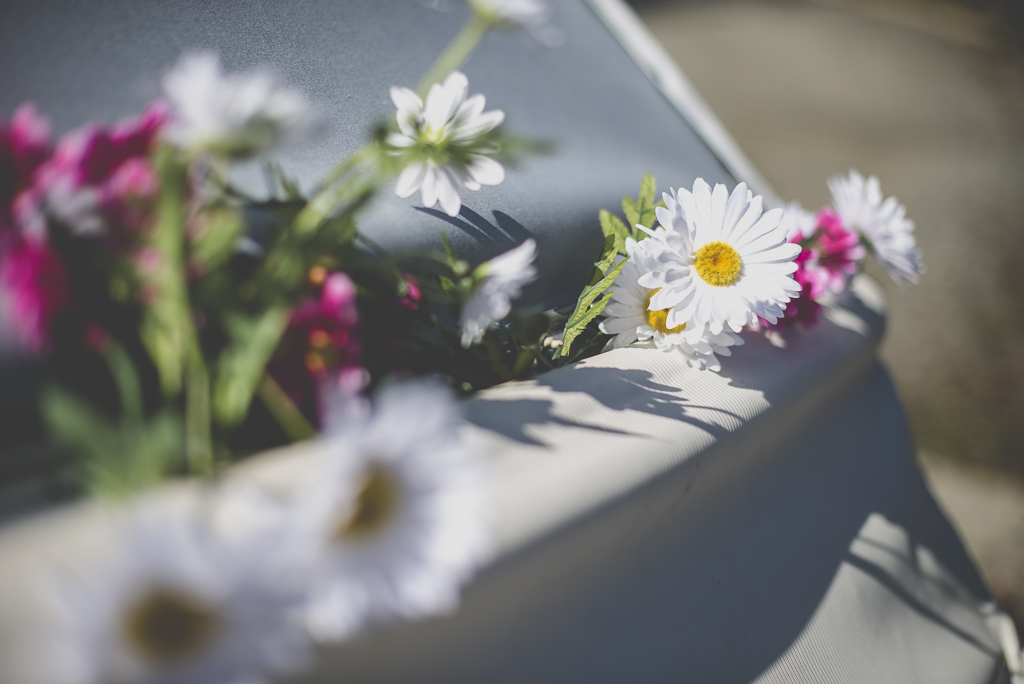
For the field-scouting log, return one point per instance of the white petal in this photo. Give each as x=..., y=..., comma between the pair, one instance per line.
x=448, y=193
x=485, y=170
x=411, y=179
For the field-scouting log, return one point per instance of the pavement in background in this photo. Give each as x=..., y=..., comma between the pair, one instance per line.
x=928, y=96
x=987, y=508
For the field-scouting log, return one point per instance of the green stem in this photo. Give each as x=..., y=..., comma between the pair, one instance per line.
x=198, y=441
x=331, y=193
x=284, y=410
x=455, y=54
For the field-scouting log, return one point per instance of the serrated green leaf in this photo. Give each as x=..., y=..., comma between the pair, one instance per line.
x=608, y=254
x=571, y=333
x=612, y=226
x=252, y=340
x=647, y=190
x=591, y=293
x=645, y=205
x=631, y=211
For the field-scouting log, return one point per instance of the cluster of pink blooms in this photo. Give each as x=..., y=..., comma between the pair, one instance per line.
x=321, y=347
x=831, y=256
x=97, y=183
x=100, y=181
x=30, y=272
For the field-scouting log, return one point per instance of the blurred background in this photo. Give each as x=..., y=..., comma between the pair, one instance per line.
x=929, y=96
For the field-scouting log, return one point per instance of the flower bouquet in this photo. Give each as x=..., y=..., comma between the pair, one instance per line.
x=188, y=325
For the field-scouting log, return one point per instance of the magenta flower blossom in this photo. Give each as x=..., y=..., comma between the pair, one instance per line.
x=831, y=255
x=840, y=250
x=34, y=280
x=321, y=345
x=413, y=294
x=99, y=180
x=24, y=145
x=813, y=279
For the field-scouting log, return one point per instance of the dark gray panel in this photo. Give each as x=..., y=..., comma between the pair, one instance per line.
x=81, y=60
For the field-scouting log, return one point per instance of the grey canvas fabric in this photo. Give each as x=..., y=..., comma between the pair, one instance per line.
x=655, y=523
x=83, y=60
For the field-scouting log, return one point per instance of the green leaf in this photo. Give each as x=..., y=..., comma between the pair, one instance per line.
x=645, y=205
x=647, y=190
x=574, y=331
x=632, y=212
x=220, y=229
x=586, y=309
x=118, y=458
x=127, y=381
x=166, y=319
x=452, y=257
x=591, y=293
x=74, y=422
x=612, y=226
x=252, y=340
x=281, y=180
x=608, y=254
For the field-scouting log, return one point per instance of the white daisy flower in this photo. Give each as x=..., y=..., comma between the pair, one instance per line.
x=172, y=604
x=445, y=141
x=798, y=222
x=630, y=319
x=722, y=262
x=495, y=284
x=884, y=224
x=400, y=511
x=239, y=115
x=529, y=15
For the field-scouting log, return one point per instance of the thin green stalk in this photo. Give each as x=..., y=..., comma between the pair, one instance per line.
x=285, y=412
x=334, y=192
x=457, y=52
x=198, y=441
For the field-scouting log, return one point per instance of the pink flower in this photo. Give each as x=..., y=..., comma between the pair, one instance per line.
x=321, y=345
x=24, y=145
x=34, y=278
x=804, y=308
x=840, y=250
x=413, y=294
x=100, y=180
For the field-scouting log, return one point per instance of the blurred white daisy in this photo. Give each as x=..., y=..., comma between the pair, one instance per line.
x=400, y=511
x=495, y=284
x=529, y=15
x=723, y=262
x=630, y=319
x=238, y=115
x=172, y=604
x=883, y=223
x=445, y=141
x=798, y=222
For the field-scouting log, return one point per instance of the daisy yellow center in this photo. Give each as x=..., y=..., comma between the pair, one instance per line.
x=375, y=506
x=718, y=264
x=167, y=626
x=433, y=136
x=659, y=319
